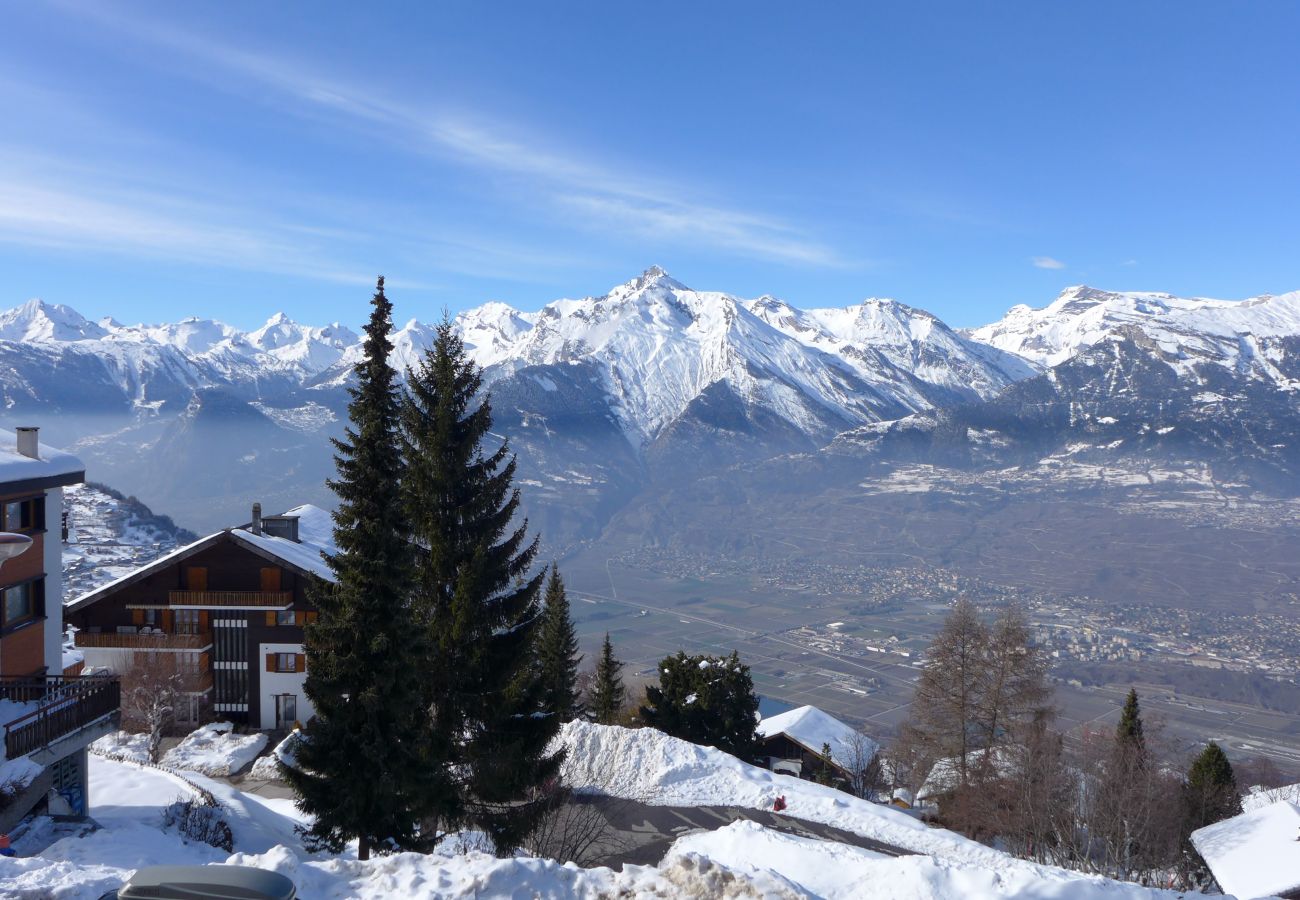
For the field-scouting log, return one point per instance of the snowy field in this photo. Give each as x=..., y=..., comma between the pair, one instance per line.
x=741, y=860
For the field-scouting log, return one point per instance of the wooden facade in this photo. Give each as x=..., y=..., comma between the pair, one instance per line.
x=231, y=612
x=22, y=585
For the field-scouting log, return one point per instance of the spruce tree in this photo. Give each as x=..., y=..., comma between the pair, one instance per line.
x=356, y=770
x=475, y=603
x=607, y=692
x=1128, y=734
x=557, y=652
x=706, y=700
x=1211, y=789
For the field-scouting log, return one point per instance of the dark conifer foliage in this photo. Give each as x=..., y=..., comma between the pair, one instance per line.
x=707, y=700
x=557, y=652
x=1128, y=734
x=1211, y=789
x=359, y=651
x=607, y=691
x=475, y=602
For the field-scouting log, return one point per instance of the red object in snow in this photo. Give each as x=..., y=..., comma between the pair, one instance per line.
x=778, y=804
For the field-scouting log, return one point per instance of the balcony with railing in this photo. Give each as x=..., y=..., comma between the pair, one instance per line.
x=219, y=600
x=54, y=709
x=144, y=639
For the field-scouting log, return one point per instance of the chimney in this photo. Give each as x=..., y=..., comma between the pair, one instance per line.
x=27, y=443
x=257, y=518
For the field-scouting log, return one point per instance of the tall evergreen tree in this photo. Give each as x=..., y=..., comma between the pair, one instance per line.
x=359, y=651
x=707, y=700
x=475, y=603
x=1128, y=733
x=607, y=692
x=1211, y=789
x=557, y=652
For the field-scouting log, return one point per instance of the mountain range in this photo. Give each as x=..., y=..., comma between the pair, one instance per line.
x=656, y=385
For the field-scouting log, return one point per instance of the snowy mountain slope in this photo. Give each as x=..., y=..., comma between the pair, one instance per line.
x=110, y=535
x=1254, y=338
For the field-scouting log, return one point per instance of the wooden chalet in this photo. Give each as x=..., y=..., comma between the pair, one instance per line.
x=231, y=606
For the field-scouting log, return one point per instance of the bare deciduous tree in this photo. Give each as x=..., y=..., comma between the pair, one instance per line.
x=154, y=685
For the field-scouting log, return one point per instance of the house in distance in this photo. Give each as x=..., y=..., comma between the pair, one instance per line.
x=231, y=606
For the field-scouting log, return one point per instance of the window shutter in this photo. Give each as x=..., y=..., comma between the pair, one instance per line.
x=311, y=618
x=137, y=617
x=299, y=662
x=203, y=620
x=270, y=662
x=270, y=617
x=167, y=620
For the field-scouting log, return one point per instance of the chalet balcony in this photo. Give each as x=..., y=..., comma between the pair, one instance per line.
x=221, y=600
x=58, y=714
x=143, y=640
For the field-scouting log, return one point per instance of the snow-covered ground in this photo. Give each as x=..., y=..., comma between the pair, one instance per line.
x=124, y=744
x=108, y=538
x=266, y=768
x=741, y=860
x=215, y=750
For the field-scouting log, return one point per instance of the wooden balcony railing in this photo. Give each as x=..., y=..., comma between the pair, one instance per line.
x=227, y=599
x=60, y=706
x=112, y=640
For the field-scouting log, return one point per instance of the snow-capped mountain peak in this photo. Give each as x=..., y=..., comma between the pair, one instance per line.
x=38, y=321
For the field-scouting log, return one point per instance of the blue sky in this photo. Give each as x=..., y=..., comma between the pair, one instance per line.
x=231, y=160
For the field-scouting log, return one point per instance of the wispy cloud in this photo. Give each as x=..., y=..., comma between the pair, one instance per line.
x=1047, y=262
x=1129, y=262
x=568, y=182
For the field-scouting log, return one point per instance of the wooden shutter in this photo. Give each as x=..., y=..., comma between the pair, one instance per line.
x=196, y=578
x=310, y=618
x=167, y=620
x=270, y=617
x=299, y=662
x=270, y=662
x=203, y=620
x=270, y=578
x=137, y=617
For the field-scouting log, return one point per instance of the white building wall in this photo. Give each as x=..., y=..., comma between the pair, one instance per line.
x=271, y=684
x=54, y=581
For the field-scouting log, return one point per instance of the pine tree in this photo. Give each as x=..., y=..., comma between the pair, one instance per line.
x=1128, y=734
x=557, y=652
x=706, y=700
x=475, y=603
x=1211, y=789
x=359, y=652
x=607, y=693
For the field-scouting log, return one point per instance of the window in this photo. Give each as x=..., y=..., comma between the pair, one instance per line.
x=150, y=616
x=187, y=621
x=286, y=617
x=23, y=601
x=24, y=515
x=286, y=662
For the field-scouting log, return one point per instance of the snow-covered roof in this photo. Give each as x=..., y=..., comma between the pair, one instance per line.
x=1254, y=854
x=813, y=729
x=53, y=468
x=315, y=533
x=315, y=536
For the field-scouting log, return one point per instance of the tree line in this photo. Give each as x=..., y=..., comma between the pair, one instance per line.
x=980, y=742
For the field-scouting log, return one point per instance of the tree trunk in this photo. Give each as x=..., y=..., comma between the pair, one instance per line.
x=363, y=847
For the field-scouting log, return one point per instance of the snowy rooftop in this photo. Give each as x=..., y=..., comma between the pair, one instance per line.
x=1255, y=854
x=315, y=536
x=812, y=728
x=53, y=465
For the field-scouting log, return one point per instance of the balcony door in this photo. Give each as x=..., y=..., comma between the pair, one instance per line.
x=286, y=710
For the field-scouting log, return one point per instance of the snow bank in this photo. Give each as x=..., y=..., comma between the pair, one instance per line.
x=215, y=750
x=651, y=767
x=265, y=768
x=125, y=745
x=832, y=871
